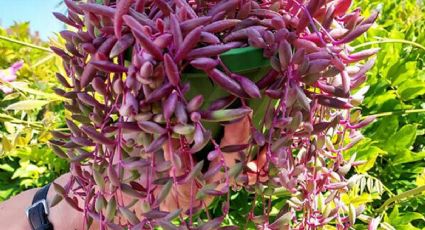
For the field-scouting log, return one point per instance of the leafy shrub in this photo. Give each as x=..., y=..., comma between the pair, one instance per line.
x=394, y=145
x=29, y=111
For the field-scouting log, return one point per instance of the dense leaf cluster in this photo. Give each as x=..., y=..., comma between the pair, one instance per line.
x=136, y=126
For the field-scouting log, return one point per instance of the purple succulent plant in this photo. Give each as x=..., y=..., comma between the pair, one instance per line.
x=127, y=113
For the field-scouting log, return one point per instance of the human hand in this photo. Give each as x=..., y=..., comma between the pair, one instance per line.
x=237, y=133
x=234, y=134
x=182, y=196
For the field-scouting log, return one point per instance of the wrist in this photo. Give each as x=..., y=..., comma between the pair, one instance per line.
x=62, y=214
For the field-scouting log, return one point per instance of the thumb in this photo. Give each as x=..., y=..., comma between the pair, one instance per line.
x=237, y=133
x=256, y=168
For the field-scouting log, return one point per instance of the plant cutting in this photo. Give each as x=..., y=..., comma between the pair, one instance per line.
x=150, y=83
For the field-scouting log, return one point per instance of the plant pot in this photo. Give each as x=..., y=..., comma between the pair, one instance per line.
x=246, y=61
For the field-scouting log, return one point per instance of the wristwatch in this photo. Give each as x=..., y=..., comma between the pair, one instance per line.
x=38, y=212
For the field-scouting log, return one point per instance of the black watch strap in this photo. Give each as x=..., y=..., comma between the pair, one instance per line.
x=38, y=212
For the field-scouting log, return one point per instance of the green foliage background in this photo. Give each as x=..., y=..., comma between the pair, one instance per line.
x=393, y=147
x=28, y=114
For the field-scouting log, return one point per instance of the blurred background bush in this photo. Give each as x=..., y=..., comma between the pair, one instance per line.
x=28, y=111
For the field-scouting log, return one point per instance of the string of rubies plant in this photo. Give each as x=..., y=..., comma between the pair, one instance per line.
x=128, y=65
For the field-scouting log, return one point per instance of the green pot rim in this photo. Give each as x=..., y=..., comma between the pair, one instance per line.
x=244, y=59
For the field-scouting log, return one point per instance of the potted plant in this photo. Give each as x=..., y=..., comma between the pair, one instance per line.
x=150, y=77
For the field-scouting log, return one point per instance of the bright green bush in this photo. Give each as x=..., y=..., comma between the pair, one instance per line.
x=394, y=147
x=28, y=113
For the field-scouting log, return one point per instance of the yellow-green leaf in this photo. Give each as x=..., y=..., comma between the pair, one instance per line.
x=420, y=180
x=411, y=88
x=7, y=146
x=27, y=105
x=23, y=86
x=369, y=154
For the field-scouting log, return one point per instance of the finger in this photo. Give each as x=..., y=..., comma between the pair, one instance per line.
x=256, y=168
x=170, y=148
x=172, y=154
x=235, y=134
x=182, y=195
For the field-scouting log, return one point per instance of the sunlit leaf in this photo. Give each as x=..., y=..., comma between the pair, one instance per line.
x=27, y=105
x=411, y=88
x=368, y=153
x=24, y=87
x=403, y=139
